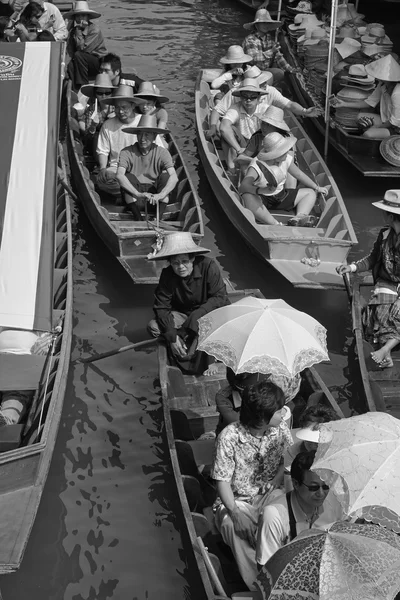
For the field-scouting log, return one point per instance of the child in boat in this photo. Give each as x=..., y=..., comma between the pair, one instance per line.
x=263, y=188
x=382, y=314
x=235, y=65
x=153, y=101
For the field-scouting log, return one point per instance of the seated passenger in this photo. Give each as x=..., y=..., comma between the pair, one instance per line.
x=153, y=102
x=51, y=19
x=28, y=25
x=146, y=171
x=234, y=71
x=96, y=112
x=190, y=287
x=285, y=516
x=111, y=64
x=112, y=138
x=85, y=44
x=263, y=188
x=248, y=464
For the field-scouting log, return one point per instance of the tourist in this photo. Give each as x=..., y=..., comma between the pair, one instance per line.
x=189, y=288
x=286, y=515
x=153, y=101
x=95, y=112
x=28, y=24
x=111, y=64
x=112, y=138
x=146, y=171
x=50, y=20
x=382, y=314
x=248, y=465
x=234, y=71
x=85, y=44
x=263, y=188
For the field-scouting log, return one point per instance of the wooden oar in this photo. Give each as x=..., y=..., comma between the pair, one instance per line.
x=117, y=351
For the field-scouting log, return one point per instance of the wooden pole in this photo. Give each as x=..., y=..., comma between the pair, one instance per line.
x=91, y=359
x=329, y=74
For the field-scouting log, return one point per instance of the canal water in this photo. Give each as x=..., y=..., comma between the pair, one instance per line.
x=109, y=525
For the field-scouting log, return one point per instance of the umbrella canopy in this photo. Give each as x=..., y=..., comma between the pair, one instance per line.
x=347, y=562
x=365, y=452
x=256, y=335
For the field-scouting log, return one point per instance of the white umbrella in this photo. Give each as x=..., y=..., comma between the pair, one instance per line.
x=255, y=335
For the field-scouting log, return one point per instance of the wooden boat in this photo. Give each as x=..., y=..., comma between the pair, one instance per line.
x=362, y=153
x=381, y=386
x=291, y=250
x=26, y=448
x=131, y=241
x=189, y=411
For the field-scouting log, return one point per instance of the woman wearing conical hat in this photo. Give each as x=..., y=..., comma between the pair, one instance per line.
x=386, y=96
x=190, y=287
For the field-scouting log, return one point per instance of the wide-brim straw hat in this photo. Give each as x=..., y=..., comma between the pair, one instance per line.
x=391, y=199
x=147, y=123
x=178, y=243
x=235, y=54
x=275, y=145
x=348, y=47
x=274, y=116
x=307, y=22
x=123, y=92
x=262, y=16
x=304, y=7
x=390, y=151
x=386, y=69
x=82, y=8
x=102, y=82
x=149, y=90
x=248, y=85
x=317, y=35
x=260, y=77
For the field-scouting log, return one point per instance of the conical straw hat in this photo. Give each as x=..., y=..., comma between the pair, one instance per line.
x=178, y=243
x=386, y=69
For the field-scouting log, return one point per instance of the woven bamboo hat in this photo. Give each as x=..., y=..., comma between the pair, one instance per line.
x=275, y=145
x=149, y=90
x=276, y=117
x=249, y=85
x=123, y=92
x=390, y=151
x=263, y=16
x=102, y=82
x=147, y=123
x=178, y=243
x=391, y=199
x=385, y=69
x=82, y=8
x=235, y=54
x=348, y=47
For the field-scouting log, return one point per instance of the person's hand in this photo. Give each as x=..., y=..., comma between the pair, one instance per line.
x=179, y=347
x=322, y=190
x=21, y=28
x=269, y=54
x=212, y=132
x=154, y=198
x=365, y=123
x=342, y=269
x=313, y=111
x=237, y=71
x=244, y=527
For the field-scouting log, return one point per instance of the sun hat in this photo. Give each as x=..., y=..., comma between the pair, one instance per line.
x=372, y=26
x=347, y=31
x=353, y=11
x=82, y=8
x=348, y=47
x=149, y=90
x=123, y=92
x=391, y=199
x=306, y=22
x=355, y=94
x=260, y=77
x=358, y=72
x=274, y=116
x=386, y=69
x=235, y=54
x=275, y=145
x=304, y=6
x=390, y=151
x=147, y=123
x=102, y=81
x=248, y=85
x=262, y=16
x=317, y=35
x=180, y=242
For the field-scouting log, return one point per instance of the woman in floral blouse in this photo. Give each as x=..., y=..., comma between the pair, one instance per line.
x=248, y=465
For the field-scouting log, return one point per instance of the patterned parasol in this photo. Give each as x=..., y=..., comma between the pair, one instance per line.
x=347, y=562
x=256, y=335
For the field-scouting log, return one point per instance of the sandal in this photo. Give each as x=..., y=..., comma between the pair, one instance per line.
x=301, y=220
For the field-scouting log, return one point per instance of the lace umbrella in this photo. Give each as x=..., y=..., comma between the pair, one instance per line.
x=255, y=335
x=347, y=562
x=365, y=452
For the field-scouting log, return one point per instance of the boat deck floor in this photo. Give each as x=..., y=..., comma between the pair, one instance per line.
x=389, y=383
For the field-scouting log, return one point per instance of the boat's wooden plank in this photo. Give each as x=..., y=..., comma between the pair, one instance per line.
x=14, y=511
x=302, y=275
x=20, y=371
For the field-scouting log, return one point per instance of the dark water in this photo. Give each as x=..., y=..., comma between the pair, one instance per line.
x=108, y=524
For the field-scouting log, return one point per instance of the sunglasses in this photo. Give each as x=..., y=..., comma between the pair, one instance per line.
x=249, y=97
x=315, y=487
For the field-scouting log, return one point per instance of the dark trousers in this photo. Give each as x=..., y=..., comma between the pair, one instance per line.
x=151, y=188
x=82, y=66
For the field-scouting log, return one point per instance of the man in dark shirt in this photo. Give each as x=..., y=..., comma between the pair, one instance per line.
x=189, y=288
x=111, y=64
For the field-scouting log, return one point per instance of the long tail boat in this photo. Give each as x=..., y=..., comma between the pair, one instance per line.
x=35, y=279
x=131, y=241
x=189, y=411
x=307, y=257
x=381, y=386
x=363, y=153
